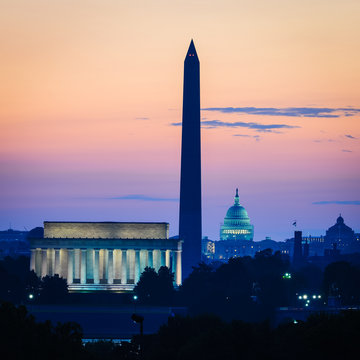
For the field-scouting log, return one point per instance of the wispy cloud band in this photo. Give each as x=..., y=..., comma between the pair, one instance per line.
x=355, y=202
x=289, y=112
x=141, y=197
x=211, y=124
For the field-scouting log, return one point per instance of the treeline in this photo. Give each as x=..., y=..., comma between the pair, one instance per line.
x=20, y=285
x=22, y=338
x=322, y=336
x=244, y=288
x=250, y=289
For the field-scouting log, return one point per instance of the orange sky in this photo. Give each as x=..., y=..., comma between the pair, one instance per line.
x=89, y=90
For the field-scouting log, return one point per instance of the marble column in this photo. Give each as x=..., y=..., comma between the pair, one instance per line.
x=101, y=264
x=173, y=263
x=90, y=264
x=150, y=258
x=105, y=265
x=33, y=260
x=63, y=263
x=38, y=260
x=143, y=260
x=57, y=267
x=83, y=266
x=96, y=266
x=70, y=271
x=157, y=259
x=77, y=255
x=124, y=267
x=130, y=258
x=137, y=266
x=178, y=268
x=163, y=258
x=44, y=263
x=110, y=266
x=51, y=262
x=117, y=264
x=167, y=262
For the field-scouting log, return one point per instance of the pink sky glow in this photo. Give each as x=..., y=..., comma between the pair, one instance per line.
x=91, y=92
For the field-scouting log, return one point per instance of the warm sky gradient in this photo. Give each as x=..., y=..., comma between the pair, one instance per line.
x=91, y=92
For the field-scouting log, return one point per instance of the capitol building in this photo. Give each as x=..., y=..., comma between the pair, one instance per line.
x=237, y=223
x=236, y=236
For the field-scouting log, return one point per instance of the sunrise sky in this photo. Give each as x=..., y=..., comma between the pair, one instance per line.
x=91, y=97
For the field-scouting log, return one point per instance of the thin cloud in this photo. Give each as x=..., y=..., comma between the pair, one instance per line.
x=269, y=131
x=140, y=197
x=325, y=140
x=142, y=118
x=355, y=202
x=256, y=137
x=289, y=112
x=351, y=137
x=348, y=151
x=212, y=124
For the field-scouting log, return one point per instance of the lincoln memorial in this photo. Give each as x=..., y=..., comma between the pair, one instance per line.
x=104, y=255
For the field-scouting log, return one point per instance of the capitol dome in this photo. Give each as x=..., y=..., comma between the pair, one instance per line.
x=236, y=223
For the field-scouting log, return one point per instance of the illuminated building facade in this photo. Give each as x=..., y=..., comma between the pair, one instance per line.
x=237, y=223
x=104, y=255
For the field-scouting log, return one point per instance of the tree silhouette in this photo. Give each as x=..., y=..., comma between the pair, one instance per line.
x=21, y=337
x=341, y=279
x=155, y=288
x=54, y=289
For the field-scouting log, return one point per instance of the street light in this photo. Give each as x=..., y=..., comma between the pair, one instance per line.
x=139, y=320
x=135, y=297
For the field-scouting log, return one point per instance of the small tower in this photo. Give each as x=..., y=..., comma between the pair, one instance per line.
x=298, y=255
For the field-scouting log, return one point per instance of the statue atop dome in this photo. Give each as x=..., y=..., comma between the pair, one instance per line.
x=236, y=223
x=237, y=197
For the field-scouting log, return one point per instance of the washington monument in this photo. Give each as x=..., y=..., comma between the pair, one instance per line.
x=190, y=178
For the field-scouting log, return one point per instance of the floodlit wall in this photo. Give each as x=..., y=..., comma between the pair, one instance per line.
x=106, y=230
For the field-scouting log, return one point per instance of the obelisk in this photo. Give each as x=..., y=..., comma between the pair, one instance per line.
x=190, y=178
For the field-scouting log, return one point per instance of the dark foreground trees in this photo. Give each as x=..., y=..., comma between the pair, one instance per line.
x=53, y=290
x=155, y=288
x=323, y=336
x=21, y=337
x=20, y=285
x=245, y=288
x=342, y=280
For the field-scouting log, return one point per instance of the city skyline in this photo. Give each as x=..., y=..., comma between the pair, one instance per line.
x=91, y=111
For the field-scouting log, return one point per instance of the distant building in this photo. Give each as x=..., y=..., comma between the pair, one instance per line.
x=341, y=235
x=207, y=249
x=14, y=243
x=315, y=244
x=298, y=247
x=237, y=223
x=223, y=250
x=104, y=255
x=339, y=239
